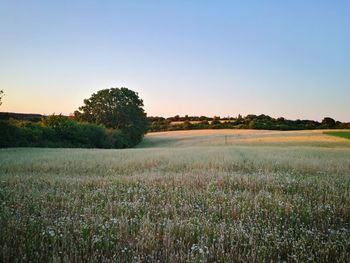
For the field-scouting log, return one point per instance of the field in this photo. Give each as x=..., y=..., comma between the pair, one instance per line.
x=186, y=196
x=339, y=134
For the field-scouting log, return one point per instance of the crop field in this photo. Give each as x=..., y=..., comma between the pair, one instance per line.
x=339, y=134
x=184, y=196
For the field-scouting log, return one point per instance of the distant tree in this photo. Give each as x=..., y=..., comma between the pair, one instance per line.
x=1, y=96
x=215, y=121
x=250, y=117
x=117, y=108
x=58, y=122
x=253, y=124
x=187, y=124
x=328, y=122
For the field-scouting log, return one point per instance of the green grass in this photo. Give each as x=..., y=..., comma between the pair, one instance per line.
x=193, y=200
x=339, y=134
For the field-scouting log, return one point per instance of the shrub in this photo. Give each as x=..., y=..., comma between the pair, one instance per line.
x=9, y=134
x=60, y=131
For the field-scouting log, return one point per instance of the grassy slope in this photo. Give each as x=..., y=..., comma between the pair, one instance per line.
x=256, y=195
x=339, y=134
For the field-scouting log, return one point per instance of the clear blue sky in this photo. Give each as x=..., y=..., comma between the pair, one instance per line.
x=286, y=58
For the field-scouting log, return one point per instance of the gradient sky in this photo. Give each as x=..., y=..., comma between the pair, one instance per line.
x=286, y=58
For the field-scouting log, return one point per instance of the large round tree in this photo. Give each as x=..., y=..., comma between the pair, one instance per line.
x=117, y=108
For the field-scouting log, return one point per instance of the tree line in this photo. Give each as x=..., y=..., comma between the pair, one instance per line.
x=251, y=121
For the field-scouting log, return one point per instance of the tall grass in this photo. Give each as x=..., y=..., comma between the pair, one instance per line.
x=233, y=203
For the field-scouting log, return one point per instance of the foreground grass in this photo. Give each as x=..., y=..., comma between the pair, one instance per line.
x=339, y=134
x=200, y=203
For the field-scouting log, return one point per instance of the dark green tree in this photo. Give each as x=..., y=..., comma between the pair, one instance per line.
x=328, y=122
x=117, y=108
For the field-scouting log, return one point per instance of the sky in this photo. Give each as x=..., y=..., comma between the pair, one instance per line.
x=286, y=58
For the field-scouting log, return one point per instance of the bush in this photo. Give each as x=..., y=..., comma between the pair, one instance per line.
x=92, y=135
x=9, y=134
x=60, y=131
x=116, y=139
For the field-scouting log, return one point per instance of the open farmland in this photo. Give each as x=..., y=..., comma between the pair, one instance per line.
x=339, y=134
x=195, y=196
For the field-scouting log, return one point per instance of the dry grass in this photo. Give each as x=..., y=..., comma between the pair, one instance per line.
x=242, y=137
x=191, y=198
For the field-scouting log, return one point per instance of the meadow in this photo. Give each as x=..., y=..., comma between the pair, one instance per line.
x=184, y=196
x=339, y=134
